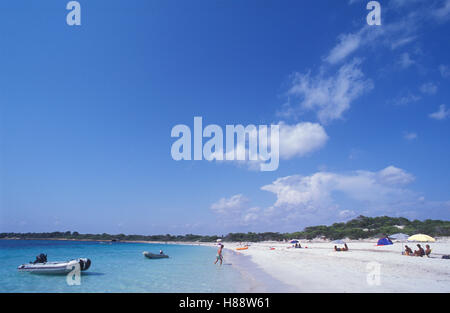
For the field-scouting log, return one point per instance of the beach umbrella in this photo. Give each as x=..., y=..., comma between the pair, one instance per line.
x=294, y=241
x=421, y=237
x=401, y=237
x=339, y=242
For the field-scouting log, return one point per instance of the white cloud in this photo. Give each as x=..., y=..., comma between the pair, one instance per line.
x=402, y=42
x=325, y=197
x=316, y=192
x=319, y=198
x=428, y=88
x=295, y=140
x=348, y=43
x=228, y=205
x=301, y=139
x=330, y=96
x=235, y=211
x=404, y=30
x=392, y=175
x=441, y=114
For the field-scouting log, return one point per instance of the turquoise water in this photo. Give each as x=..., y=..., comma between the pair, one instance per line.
x=118, y=267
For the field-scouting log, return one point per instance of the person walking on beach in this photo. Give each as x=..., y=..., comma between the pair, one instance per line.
x=219, y=254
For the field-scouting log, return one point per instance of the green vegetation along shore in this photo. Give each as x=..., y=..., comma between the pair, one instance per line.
x=361, y=227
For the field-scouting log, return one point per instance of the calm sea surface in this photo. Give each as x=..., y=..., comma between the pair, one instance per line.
x=118, y=267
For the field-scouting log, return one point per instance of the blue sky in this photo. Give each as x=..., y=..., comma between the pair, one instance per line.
x=87, y=112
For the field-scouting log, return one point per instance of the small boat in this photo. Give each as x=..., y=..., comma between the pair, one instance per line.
x=63, y=267
x=242, y=248
x=154, y=255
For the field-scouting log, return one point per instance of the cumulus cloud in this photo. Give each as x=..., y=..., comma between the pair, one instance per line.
x=330, y=96
x=328, y=196
x=301, y=139
x=294, y=140
x=229, y=205
x=321, y=194
x=315, y=191
x=392, y=175
x=441, y=114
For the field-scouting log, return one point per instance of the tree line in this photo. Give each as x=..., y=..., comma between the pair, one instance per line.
x=361, y=227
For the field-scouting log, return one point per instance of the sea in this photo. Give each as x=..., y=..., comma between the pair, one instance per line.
x=119, y=267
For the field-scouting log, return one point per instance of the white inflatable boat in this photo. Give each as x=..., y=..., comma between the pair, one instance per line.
x=154, y=256
x=55, y=267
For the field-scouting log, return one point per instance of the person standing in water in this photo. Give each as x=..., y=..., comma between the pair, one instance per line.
x=219, y=254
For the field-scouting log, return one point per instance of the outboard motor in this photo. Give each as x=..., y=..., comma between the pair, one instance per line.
x=41, y=258
x=85, y=263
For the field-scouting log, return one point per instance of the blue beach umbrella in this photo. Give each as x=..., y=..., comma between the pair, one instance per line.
x=339, y=242
x=294, y=241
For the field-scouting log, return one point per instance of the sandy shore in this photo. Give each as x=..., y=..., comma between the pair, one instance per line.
x=278, y=267
x=318, y=268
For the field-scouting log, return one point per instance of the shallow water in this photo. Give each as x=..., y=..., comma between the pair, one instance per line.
x=118, y=267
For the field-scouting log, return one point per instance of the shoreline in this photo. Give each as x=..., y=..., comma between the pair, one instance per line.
x=278, y=267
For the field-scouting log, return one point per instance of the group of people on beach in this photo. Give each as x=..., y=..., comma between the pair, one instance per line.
x=408, y=251
x=419, y=252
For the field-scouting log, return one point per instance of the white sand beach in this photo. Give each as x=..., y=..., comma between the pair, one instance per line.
x=318, y=268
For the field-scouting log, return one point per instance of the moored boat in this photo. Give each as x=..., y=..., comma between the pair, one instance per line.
x=63, y=267
x=154, y=255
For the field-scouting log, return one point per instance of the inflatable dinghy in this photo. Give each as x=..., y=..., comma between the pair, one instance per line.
x=55, y=267
x=154, y=256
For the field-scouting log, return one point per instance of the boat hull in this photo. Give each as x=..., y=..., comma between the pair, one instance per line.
x=150, y=255
x=55, y=267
